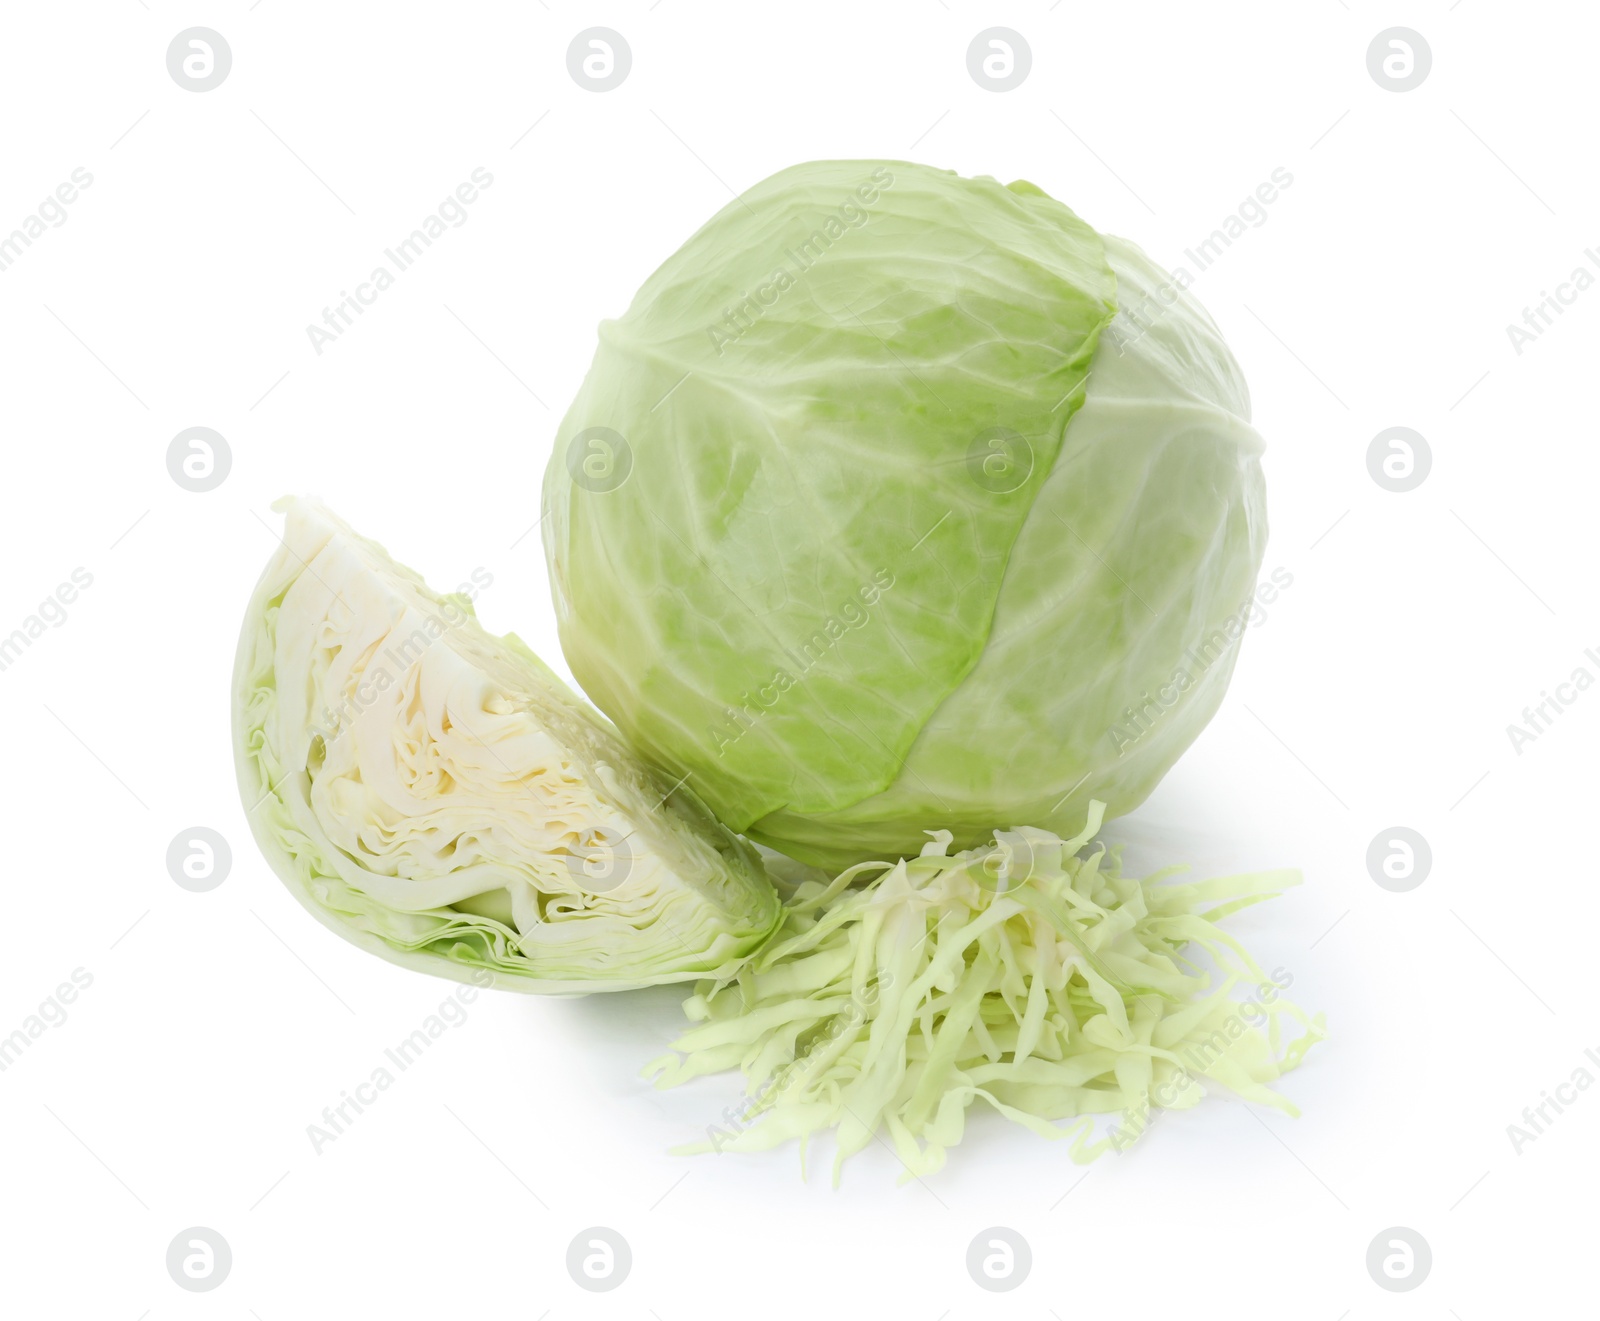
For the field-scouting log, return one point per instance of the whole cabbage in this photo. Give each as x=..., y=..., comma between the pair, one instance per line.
x=874, y=515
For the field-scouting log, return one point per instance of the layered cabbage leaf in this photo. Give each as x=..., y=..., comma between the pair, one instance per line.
x=438, y=796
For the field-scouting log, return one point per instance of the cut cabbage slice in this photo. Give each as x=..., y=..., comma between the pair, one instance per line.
x=439, y=797
x=1047, y=985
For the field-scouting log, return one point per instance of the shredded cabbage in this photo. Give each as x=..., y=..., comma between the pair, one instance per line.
x=1050, y=986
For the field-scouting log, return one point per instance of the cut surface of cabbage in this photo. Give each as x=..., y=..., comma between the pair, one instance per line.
x=438, y=796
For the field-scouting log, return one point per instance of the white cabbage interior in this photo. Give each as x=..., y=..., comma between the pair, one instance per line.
x=429, y=785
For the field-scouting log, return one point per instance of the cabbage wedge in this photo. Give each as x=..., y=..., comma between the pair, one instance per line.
x=439, y=797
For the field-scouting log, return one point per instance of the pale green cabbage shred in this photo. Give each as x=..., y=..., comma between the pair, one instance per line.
x=1048, y=985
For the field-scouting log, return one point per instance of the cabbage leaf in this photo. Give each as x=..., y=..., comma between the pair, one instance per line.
x=437, y=796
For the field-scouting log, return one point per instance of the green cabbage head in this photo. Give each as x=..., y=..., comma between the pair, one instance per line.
x=875, y=515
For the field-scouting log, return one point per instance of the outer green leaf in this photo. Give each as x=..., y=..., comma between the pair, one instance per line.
x=872, y=568
x=805, y=558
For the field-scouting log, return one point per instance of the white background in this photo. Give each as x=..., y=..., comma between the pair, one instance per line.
x=178, y=1091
